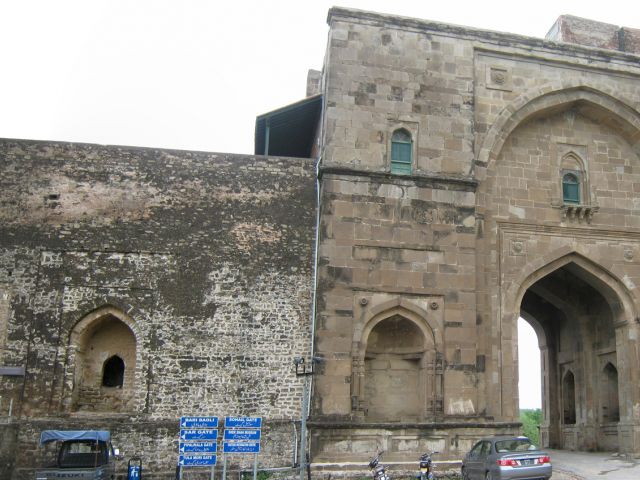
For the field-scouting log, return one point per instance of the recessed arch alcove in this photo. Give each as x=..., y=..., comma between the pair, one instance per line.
x=398, y=367
x=102, y=362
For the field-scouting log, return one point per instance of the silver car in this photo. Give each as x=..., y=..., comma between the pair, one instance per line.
x=506, y=458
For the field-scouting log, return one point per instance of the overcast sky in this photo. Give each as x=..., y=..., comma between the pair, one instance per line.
x=194, y=74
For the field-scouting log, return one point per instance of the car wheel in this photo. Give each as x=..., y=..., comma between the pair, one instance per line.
x=465, y=475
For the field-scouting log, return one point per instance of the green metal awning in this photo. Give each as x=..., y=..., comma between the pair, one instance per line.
x=289, y=131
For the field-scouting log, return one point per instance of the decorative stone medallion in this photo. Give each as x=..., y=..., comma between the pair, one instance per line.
x=499, y=78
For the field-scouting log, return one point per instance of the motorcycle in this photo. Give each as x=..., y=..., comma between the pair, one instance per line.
x=426, y=466
x=378, y=471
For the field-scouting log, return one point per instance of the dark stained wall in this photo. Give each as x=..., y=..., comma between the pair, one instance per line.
x=207, y=256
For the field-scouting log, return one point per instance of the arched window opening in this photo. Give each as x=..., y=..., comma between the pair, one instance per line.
x=113, y=372
x=610, y=404
x=571, y=188
x=401, y=152
x=569, y=399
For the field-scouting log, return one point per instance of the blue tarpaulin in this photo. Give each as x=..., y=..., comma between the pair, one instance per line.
x=53, y=435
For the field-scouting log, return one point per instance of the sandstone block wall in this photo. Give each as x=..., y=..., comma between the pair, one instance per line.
x=495, y=121
x=205, y=258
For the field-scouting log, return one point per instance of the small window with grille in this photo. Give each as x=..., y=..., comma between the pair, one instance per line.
x=401, y=152
x=571, y=188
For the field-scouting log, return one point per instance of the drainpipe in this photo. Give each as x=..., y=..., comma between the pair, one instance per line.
x=308, y=381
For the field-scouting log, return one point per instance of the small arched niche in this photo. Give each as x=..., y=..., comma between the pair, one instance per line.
x=610, y=406
x=569, y=399
x=105, y=360
x=396, y=361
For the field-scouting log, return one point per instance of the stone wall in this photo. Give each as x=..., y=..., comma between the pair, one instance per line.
x=495, y=120
x=205, y=259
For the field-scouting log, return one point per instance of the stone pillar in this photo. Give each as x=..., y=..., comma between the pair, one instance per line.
x=628, y=354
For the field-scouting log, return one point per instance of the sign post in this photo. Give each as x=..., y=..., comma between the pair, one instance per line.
x=242, y=435
x=198, y=443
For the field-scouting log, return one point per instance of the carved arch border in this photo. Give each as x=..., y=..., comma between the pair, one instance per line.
x=398, y=306
x=554, y=95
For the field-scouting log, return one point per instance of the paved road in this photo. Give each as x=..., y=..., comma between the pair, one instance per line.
x=585, y=465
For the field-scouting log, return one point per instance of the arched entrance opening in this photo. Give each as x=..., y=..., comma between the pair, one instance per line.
x=575, y=314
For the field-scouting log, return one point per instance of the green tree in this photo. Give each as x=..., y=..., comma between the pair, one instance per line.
x=531, y=420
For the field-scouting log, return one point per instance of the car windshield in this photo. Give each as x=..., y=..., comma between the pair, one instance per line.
x=515, y=445
x=82, y=453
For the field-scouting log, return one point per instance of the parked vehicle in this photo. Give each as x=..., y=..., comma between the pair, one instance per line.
x=378, y=470
x=426, y=466
x=506, y=458
x=81, y=455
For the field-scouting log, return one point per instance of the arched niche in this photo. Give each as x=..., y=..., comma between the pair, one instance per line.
x=569, y=398
x=397, y=371
x=102, y=362
x=609, y=397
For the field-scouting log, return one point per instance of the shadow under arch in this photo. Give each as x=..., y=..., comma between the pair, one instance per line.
x=405, y=308
x=621, y=300
x=557, y=96
x=105, y=330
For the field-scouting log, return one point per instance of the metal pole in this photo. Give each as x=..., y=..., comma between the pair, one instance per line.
x=224, y=466
x=303, y=427
x=255, y=467
x=213, y=472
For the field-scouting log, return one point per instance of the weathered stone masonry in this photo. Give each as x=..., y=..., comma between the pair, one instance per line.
x=424, y=271
x=202, y=261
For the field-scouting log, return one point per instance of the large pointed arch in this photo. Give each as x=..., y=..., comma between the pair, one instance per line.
x=556, y=96
x=621, y=300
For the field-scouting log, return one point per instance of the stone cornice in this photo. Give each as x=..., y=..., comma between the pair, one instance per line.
x=632, y=235
x=442, y=182
x=470, y=33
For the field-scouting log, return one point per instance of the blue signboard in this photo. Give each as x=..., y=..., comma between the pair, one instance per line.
x=197, y=460
x=241, y=446
x=243, y=422
x=198, y=422
x=198, y=434
x=203, y=447
x=134, y=472
x=242, y=434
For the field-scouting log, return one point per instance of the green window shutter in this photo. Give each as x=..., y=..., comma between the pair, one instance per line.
x=401, y=158
x=570, y=189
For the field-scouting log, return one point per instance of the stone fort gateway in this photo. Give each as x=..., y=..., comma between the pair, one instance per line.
x=437, y=183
